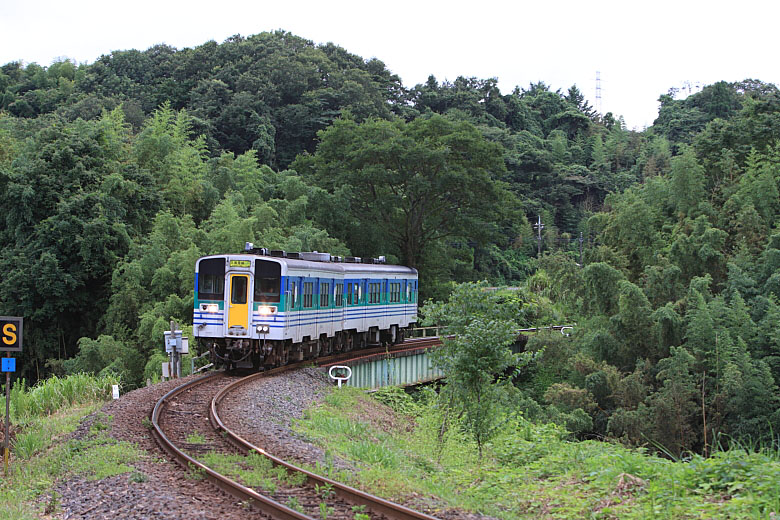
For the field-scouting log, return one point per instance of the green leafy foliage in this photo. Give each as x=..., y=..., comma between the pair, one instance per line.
x=106, y=356
x=117, y=175
x=411, y=186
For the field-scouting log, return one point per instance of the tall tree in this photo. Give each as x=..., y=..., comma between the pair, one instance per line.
x=419, y=183
x=475, y=357
x=687, y=183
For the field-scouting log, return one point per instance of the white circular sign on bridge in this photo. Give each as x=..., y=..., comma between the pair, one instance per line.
x=340, y=373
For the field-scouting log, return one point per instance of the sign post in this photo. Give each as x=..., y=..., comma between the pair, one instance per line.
x=340, y=373
x=11, y=329
x=175, y=345
x=7, y=419
x=172, y=341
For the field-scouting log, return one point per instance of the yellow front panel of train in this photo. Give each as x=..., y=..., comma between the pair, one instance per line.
x=238, y=312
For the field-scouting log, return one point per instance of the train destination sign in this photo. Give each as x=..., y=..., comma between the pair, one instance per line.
x=11, y=334
x=240, y=263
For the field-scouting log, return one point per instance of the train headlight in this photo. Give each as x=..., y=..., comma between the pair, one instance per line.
x=265, y=310
x=263, y=329
x=211, y=307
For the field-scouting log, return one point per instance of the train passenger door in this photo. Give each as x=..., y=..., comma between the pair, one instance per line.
x=291, y=295
x=292, y=303
x=404, y=300
x=338, y=300
x=238, y=310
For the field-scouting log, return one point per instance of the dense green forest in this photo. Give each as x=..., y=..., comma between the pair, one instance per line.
x=115, y=176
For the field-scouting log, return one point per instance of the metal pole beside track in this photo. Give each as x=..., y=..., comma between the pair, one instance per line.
x=7, y=419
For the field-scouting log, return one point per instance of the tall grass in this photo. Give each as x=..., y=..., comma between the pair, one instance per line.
x=534, y=471
x=54, y=393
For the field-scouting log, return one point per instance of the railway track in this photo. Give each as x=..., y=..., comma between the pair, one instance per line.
x=192, y=412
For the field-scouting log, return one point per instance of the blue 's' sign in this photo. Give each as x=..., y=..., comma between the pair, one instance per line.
x=8, y=365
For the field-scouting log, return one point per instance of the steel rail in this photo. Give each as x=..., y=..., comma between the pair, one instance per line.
x=347, y=493
x=265, y=504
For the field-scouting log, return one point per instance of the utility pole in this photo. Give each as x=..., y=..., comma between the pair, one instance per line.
x=581, y=264
x=539, y=226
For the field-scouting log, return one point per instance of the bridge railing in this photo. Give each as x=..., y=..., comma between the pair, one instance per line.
x=425, y=332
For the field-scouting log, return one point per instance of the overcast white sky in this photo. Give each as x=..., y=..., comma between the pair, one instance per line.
x=640, y=48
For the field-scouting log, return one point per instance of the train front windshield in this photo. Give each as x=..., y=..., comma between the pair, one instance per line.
x=268, y=276
x=211, y=279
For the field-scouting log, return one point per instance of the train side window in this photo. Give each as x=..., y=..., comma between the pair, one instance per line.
x=338, y=298
x=395, y=292
x=324, y=295
x=349, y=294
x=374, y=293
x=359, y=293
x=308, y=292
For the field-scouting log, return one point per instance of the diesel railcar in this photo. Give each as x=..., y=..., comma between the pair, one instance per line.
x=266, y=308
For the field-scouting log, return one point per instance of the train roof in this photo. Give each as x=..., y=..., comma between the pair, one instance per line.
x=327, y=266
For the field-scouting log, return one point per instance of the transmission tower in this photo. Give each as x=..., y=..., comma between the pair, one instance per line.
x=598, y=91
x=691, y=86
x=685, y=89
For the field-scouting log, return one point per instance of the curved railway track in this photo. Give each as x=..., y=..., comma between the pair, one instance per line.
x=195, y=406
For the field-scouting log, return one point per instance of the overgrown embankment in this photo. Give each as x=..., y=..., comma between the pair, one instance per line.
x=531, y=470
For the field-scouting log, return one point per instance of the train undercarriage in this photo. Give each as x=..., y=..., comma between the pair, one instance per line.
x=261, y=354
